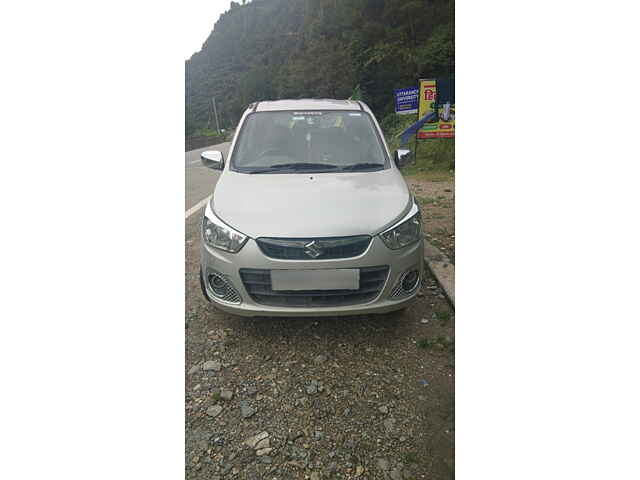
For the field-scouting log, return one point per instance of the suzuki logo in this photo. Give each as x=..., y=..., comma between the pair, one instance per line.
x=312, y=249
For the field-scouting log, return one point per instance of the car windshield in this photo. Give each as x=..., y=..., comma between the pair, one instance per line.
x=309, y=141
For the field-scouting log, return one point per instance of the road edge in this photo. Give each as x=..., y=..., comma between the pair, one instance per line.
x=442, y=269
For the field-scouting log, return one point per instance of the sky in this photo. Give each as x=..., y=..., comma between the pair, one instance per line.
x=201, y=15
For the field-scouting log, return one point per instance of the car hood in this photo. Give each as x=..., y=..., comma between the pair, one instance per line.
x=312, y=204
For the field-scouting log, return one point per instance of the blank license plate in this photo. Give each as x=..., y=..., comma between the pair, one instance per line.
x=341, y=279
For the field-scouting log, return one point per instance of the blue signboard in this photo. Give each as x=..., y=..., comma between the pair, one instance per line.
x=406, y=100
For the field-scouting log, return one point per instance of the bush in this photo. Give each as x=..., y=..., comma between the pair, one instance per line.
x=207, y=132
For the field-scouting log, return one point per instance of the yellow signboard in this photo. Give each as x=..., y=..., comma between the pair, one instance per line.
x=443, y=126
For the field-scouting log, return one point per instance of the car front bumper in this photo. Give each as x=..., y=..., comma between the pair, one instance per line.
x=250, y=257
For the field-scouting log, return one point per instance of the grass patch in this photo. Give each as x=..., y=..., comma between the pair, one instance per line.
x=206, y=132
x=433, y=162
x=435, y=157
x=442, y=343
x=428, y=175
x=410, y=457
x=426, y=200
x=215, y=396
x=444, y=317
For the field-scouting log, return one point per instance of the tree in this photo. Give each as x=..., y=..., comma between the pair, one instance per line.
x=269, y=49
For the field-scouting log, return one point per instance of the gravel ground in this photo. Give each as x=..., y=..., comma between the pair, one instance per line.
x=367, y=397
x=437, y=201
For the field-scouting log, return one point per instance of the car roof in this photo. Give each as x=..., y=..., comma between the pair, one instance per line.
x=307, y=104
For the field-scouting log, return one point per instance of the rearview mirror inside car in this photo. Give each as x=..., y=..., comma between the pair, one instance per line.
x=212, y=159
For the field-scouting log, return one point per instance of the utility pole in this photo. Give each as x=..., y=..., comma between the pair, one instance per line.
x=215, y=112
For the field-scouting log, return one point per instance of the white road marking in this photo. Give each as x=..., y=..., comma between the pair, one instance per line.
x=196, y=207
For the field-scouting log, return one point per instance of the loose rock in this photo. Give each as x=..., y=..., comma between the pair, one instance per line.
x=263, y=451
x=212, y=365
x=264, y=443
x=320, y=359
x=389, y=424
x=246, y=410
x=395, y=475
x=312, y=388
x=253, y=441
x=383, y=464
x=214, y=411
x=226, y=394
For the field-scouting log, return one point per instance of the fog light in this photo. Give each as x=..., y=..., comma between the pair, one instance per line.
x=218, y=285
x=223, y=289
x=410, y=280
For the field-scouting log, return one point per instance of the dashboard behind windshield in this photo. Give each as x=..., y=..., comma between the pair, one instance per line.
x=274, y=142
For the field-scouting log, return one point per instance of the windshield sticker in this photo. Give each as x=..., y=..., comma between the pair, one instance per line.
x=307, y=113
x=355, y=114
x=298, y=118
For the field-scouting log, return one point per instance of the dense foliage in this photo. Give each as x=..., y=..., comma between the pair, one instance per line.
x=270, y=49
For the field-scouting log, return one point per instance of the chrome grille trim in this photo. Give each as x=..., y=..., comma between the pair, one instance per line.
x=330, y=248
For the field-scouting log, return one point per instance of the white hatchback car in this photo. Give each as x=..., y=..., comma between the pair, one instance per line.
x=310, y=215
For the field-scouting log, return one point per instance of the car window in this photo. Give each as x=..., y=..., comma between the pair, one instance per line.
x=309, y=140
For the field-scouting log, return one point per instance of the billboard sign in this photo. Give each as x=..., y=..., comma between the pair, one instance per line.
x=444, y=125
x=406, y=100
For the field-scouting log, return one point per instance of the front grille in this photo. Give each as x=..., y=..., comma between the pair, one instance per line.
x=258, y=285
x=314, y=248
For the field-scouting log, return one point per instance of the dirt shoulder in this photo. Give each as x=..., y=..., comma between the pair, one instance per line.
x=436, y=194
x=367, y=397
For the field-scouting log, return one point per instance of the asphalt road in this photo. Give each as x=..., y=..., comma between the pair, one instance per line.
x=199, y=180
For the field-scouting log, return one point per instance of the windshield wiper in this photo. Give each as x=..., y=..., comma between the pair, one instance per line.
x=294, y=167
x=361, y=166
x=301, y=166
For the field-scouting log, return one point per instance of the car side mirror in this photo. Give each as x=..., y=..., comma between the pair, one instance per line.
x=403, y=157
x=212, y=159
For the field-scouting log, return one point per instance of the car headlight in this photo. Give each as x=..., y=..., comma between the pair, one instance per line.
x=217, y=234
x=406, y=232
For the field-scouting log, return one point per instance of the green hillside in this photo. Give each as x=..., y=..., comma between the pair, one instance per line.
x=270, y=49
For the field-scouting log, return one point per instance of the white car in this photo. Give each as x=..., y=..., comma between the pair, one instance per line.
x=310, y=216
